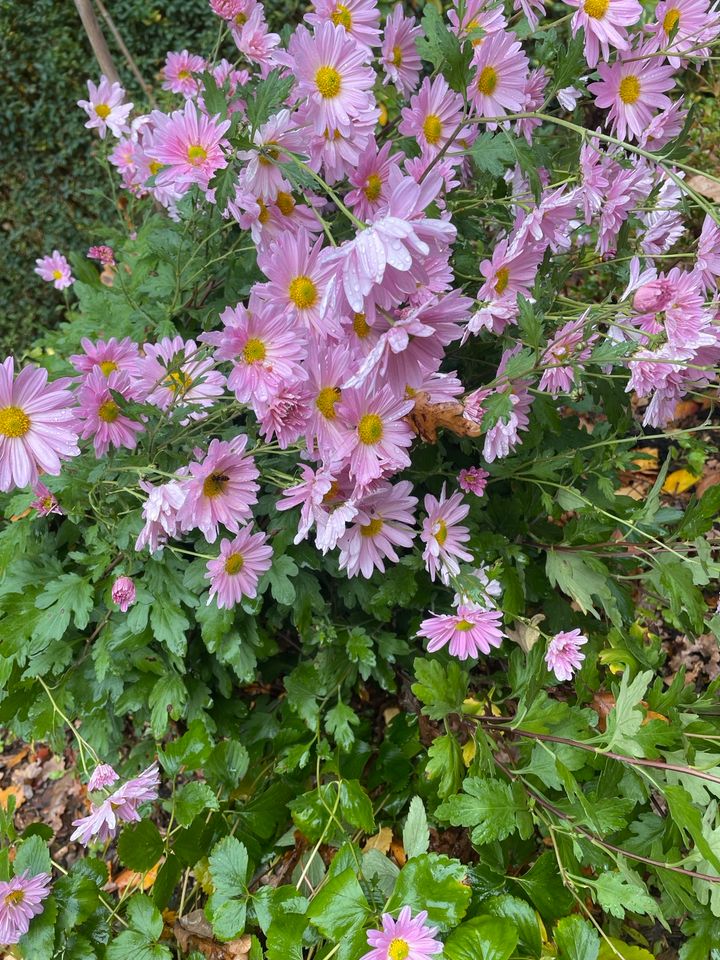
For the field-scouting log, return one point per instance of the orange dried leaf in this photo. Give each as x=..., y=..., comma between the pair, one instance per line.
x=427, y=418
x=381, y=841
x=144, y=881
x=12, y=791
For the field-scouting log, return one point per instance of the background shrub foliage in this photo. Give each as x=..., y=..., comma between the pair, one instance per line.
x=317, y=767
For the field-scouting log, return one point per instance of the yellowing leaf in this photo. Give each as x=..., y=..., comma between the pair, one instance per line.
x=611, y=949
x=381, y=841
x=679, y=481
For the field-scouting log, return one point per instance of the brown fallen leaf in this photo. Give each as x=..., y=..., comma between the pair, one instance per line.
x=602, y=703
x=710, y=479
x=398, y=852
x=12, y=791
x=14, y=759
x=128, y=879
x=381, y=841
x=193, y=932
x=427, y=418
x=704, y=186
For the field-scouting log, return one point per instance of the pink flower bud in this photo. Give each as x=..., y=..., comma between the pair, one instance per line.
x=653, y=296
x=102, y=776
x=123, y=593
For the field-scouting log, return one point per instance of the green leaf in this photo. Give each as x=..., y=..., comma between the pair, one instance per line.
x=189, y=751
x=579, y=579
x=340, y=906
x=700, y=515
x=166, y=700
x=339, y=723
x=491, y=154
x=279, y=576
x=267, y=97
x=626, y=717
x=444, y=51
x=193, y=798
x=522, y=916
x=356, y=806
x=285, y=938
x=688, y=820
x=441, y=689
x=446, y=762
x=38, y=942
x=483, y=938
x=576, y=939
x=145, y=917
x=487, y=805
x=33, y=856
x=620, y=892
x=169, y=624
x=434, y=883
x=69, y=595
x=228, y=864
x=140, y=846
x=416, y=836
x=228, y=764
x=542, y=884
x=130, y=945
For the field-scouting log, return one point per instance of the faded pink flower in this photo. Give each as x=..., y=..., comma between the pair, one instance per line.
x=473, y=480
x=103, y=254
x=121, y=806
x=102, y=776
x=564, y=655
x=123, y=593
x=237, y=570
x=160, y=512
x=45, y=501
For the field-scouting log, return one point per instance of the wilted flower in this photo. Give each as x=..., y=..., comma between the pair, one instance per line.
x=123, y=593
x=564, y=655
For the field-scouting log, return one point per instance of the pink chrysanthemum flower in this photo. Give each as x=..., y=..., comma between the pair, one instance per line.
x=107, y=356
x=220, y=489
x=604, y=23
x=337, y=150
x=371, y=180
x=562, y=356
x=531, y=9
x=379, y=433
x=359, y=18
x=189, y=145
x=102, y=776
x=564, y=655
x=511, y=269
x=692, y=24
x=407, y=938
x=264, y=350
x=45, y=501
x=178, y=72
x=708, y=257
x=37, y=425
x=172, y=373
x=309, y=495
x=121, y=806
x=299, y=284
x=384, y=521
x=433, y=115
x=443, y=535
x=232, y=10
x=160, y=512
x=469, y=631
x=283, y=415
x=20, y=900
x=664, y=126
x=327, y=371
x=261, y=175
x=102, y=419
x=105, y=108
x=331, y=72
x=254, y=39
x=55, y=270
x=400, y=59
x=473, y=480
x=123, y=593
x=633, y=90
x=103, y=254
x=501, y=70
x=236, y=572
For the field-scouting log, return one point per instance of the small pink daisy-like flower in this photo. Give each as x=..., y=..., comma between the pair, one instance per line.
x=563, y=354
x=220, y=489
x=102, y=776
x=501, y=70
x=564, y=655
x=604, y=23
x=160, y=512
x=103, y=254
x=172, y=373
x=102, y=419
x=384, y=520
x=708, y=258
x=433, y=115
x=309, y=495
x=359, y=18
x=178, y=72
x=691, y=23
x=400, y=59
x=231, y=10
x=107, y=356
x=261, y=175
x=121, y=806
x=37, y=425
x=123, y=593
x=443, y=535
x=327, y=371
x=473, y=480
x=379, y=433
x=284, y=414
x=189, y=145
x=371, y=180
x=45, y=501
x=55, y=269
x=236, y=572
x=407, y=938
x=479, y=18
x=511, y=270
x=332, y=73
x=105, y=108
x=254, y=39
x=20, y=900
x=633, y=90
x=469, y=631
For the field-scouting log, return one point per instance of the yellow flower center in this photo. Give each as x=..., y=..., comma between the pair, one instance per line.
x=14, y=422
x=487, y=81
x=373, y=187
x=303, y=292
x=463, y=625
x=396, y=56
x=14, y=898
x=108, y=367
x=360, y=325
x=240, y=19
x=332, y=493
x=196, y=154
x=440, y=532
x=326, y=400
x=432, y=128
x=178, y=381
x=103, y=111
x=371, y=529
x=184, y=74
x=155, y=167
x=264, y=214
x=342, y=17
x=57, y=274
x=502, y=278
x=214, y=485
x=328, y=82
x=629, y=89
x=596, y=8
x=285, y=203
x=370, y=429
x=48, y=503
x=234, y=563
x=398, y=949
x=254, y=350
x=109, y=411
x=671, y=20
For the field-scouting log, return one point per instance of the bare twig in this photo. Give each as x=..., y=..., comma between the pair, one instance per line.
x=97, y=40
x=134, y=69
